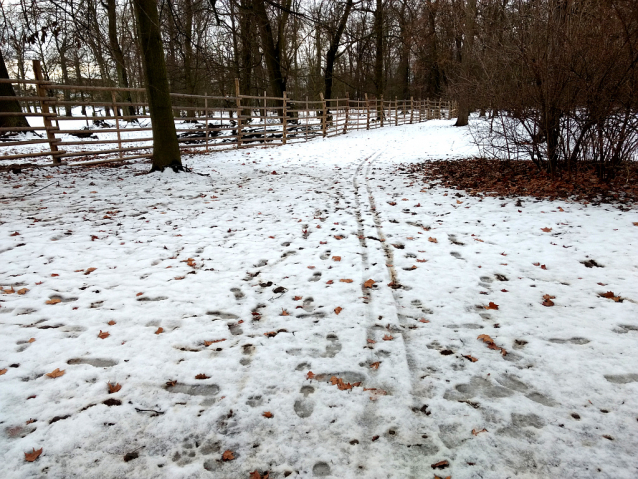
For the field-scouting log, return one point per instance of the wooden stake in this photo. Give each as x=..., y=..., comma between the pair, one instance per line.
x=206, y=118
x=284, y=112
x=307, y=117
x=382, y=111
x=44, y=107
x=396, y=111
x=265, y=117
x=238, y=113
x=411, y=109
x=345, y=125
x=323, y=116
x=116, y=114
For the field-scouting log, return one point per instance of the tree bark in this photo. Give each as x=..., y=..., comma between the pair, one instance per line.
x=118, y=55
x=272, y=51
x=165, y=146
x=6, y=106
x=466, y=67
x=331, y=55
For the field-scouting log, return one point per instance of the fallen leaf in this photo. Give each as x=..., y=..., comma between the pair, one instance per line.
x=270, y=334
x=504, y=291
x=111, y=323
x=476, y=433
x=491, y=306
x=311, y=267
x=179, y=278
x=8, y=291
x=32, y=456
x=392, y=203
x=171, y=383
x=103, y=334
x=546, y=230
x=440, y=465
x=432, y=240
x=267, y=414
x=296, y=298
x=208, y=343
x=89, y=270
x=343, y=386
x=491, y=344
x=329, y=281
x=543, y=267
x=22, y=291
x=113, y=388
x=139, y=294
x=547, y=302
x=338, y=309
x=387, y=337
x=421, y=260
x=160, y=330
x=345, y=280
x=310, y=375
x=611, y=295
x=547, y=296
x=31, y=340
x=53, y=301
x=375, y=365
x=284, y=313
x=228, y=454
x=338, y=237
x=423, y=320
x=369, y=283
x=371, y=341
x=3, y=371
x=56, y=373
x=202, y=376
x=336, y=258
x=458, y=202
x=471, y=358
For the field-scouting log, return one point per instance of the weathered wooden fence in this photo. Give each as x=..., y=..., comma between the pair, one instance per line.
x=83, y=124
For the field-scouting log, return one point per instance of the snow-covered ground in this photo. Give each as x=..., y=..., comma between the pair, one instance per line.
x=256, y=279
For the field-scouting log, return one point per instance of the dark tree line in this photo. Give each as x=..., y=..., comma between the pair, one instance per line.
x=557, y=79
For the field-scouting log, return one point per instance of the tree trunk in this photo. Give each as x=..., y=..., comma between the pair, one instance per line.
x=331, y=55
x=378, y=61
x=6, y=106
x=465, y=67
x=165, y=146
x=118, y=55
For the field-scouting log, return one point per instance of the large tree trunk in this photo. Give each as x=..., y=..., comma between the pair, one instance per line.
x=466, y=67
x=165, y=146
x=378, y=38
x=331, y=55
x=118, y=55
x=272, y=51
x=9, y=106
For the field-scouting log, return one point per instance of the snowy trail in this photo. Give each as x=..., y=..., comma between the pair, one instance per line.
x=220, y=294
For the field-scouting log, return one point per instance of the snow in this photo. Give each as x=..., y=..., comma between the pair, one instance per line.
x=568, y=380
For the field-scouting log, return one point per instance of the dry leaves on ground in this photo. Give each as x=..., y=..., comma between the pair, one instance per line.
x=432, y=240
x=113, y=388
x=228, y=455
x=476, y=433
x=388, y=337
x=547, y=300
x=268, y=414
x=369, y=283
x=56, y=373
x=491, y=306
x=345, y=280
x=32, y=456
x=491, y=344
x=103, y=334
x=202, y=376
x=341, y=384
x=53, y=301
x=338, y=309
x=611, y=295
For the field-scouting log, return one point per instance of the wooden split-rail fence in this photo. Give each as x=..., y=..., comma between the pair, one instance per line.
x=82, y=124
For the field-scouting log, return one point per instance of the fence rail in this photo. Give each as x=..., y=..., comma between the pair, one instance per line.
x=77, y=124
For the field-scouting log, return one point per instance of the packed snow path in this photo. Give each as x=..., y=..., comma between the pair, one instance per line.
x=256, y=280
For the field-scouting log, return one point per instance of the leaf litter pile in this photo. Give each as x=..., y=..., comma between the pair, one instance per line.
x=332, y=320
x=523, y=178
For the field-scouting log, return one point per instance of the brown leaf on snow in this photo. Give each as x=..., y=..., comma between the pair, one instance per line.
x=440, y=465
x=336, y=258
x=375, y=365
x=208, y=343
x=255, y=475
x=371, y=341
x=270, y=334
x=338, y=309
x=160, y=330
x=53, y=301
x=56, y=373
x=471, y=358
x=611, y=295
x=8, y=291
x=543, y=267
x=432, y=240
x=423, y=320
x=345, y=280
x=342, y=385
x=297, y=298
x=421, y=260
x=228, y=455
x=491, y=306
x=338, y=237
x=32, y=456
x=3, y=371
x=171, y=383
x=491, y=344
x=113, y=388
x=31, y=340
x=387, y=337
x=547, y=302
x=89, y=270
x=310, y=375
x=22, y=291
x=202, y=376
x=103, y=334
x=284, y=313
x=476, y=433
x=329, y=281
x=546, y=230
x=111, y=323
x=369, y=283
x=267, y=414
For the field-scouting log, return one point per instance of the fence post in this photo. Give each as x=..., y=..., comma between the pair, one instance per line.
x=206, y=117
x=367, y=112
x=44, y=107
x=345, y=125
x=238, y=100
x=382, y=111
x=116, y=115
x=411, y=109
x=307, y=117
x=396, y=111
x=265, y=118
x=323, y=115
x=284, y=122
